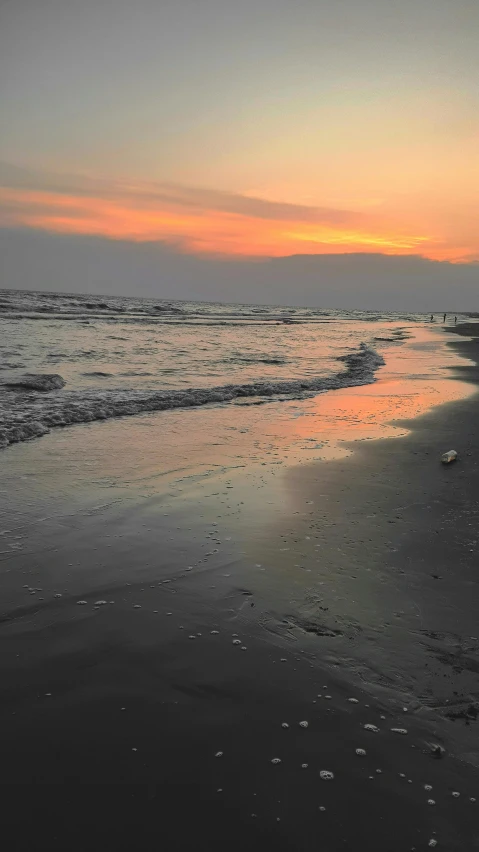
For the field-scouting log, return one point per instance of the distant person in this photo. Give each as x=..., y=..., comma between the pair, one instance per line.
x=432, y=317
x=445, y=315
x=455, y=320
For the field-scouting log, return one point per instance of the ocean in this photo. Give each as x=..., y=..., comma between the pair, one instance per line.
x=120, y=356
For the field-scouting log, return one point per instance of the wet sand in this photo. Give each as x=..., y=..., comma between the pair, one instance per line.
x=154, y=720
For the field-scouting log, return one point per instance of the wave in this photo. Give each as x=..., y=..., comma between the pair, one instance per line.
x=245, y=359
x=25, y=416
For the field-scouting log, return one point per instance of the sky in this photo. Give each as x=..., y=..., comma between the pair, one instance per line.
x=238, y=132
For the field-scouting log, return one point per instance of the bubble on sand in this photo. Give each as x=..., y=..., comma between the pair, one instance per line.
x=244, y=648
x=304, y=766
x=361, y=752
x=399, y=730
x=428, y=787
x=81, y=603
x=455, y=794
x=379, y=771
x=373, y=728
x=58, y=595
x=322, y=808
x=432, y=842
x=326, y=775
x=353, y=700
x=219, y=754
x=236, y=641
x=472, y=799
x=431, y=802
x=304, y=724
x=276, y=760
x=284, y=725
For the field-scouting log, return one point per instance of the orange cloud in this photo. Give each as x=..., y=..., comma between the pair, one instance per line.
x=201, y=221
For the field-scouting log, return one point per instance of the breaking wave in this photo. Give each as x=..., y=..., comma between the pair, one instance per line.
x=25, y=414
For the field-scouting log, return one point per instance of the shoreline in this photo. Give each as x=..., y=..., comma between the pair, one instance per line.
x=368, y=603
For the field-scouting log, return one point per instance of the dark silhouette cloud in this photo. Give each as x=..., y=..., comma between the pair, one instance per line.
x=41, y=261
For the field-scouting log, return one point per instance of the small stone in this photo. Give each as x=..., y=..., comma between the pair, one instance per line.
x=326, y=775
x=136, y=606
x=219, y=754
x=276, y=760
x=428, y=787
x=236, y=641
x=213, y=632
x=304, y=766
x=399, y=730
x=100, y=603
x=284, y=725
x=353, y=700
x=456, y=794
x=372, y=728
x=322, y=808
x=431, y=802
x=81, y=603
x=432, y=842
x=304, y=724
x=58, y=595
x=361, y=752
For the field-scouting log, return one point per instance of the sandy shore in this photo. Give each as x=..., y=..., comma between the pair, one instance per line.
x=221, y=634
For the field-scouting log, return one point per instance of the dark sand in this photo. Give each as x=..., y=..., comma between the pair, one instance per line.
x=112, y=717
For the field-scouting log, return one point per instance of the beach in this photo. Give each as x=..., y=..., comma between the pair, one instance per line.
x=201, y=616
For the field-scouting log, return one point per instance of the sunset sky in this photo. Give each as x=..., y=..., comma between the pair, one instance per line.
x=244, y=128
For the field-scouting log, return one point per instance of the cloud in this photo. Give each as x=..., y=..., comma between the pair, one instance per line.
x=201, y=221
x=151, y=194
x=36, y=260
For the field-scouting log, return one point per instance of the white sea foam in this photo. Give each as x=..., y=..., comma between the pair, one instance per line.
x=26, y=415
